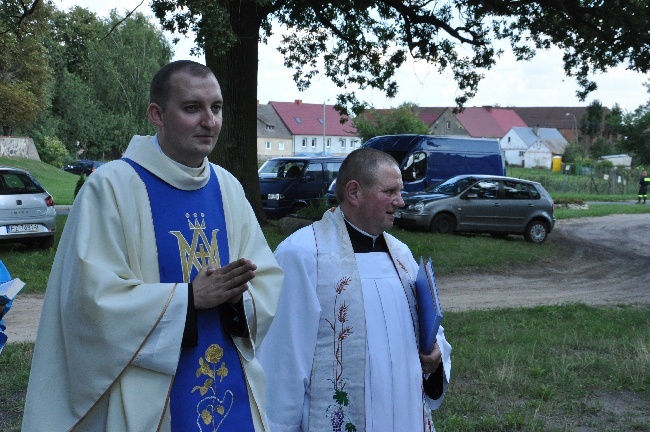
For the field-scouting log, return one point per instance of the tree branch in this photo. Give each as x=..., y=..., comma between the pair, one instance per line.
x=121, y=21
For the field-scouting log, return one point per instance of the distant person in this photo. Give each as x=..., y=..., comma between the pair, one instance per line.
x=343, y=348
x=643, y=186
x=4, y=308
x=162, y=288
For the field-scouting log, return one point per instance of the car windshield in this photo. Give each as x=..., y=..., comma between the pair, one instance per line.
x=18, y=183
x=281, y=169
x=452, y=186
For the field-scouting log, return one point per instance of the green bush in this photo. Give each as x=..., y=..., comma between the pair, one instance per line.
x=53, y=151
x=80, y=182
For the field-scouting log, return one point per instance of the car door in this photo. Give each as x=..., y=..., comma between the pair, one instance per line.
x=517, y=205
x=479, y=209
x=313, y=185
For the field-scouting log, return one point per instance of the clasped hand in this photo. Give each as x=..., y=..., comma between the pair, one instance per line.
x=216, y=285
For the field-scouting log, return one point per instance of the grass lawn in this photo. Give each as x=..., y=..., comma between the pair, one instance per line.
x=555, y=368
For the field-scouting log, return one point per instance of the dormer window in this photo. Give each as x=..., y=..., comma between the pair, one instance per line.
x=298, y=120
x=270, y=127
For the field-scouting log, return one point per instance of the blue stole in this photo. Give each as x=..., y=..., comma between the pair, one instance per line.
x=209, y=392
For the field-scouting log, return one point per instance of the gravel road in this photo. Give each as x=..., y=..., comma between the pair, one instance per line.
x=603, y=261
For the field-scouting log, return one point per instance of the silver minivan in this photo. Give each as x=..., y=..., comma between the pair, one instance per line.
x=483, y=204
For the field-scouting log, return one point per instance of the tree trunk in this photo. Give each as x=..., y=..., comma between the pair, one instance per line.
x=236, y=149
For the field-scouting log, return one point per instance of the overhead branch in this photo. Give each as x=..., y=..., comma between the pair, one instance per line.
x=121, y=21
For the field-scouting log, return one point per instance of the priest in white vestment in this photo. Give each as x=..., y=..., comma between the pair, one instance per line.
x=161, y=253
x=342, y=351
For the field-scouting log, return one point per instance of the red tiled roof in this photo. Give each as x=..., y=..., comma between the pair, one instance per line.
x=488, y=122
x=309, y=115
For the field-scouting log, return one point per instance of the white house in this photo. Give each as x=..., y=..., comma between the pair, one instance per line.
x=532, y=147
x=619, y=160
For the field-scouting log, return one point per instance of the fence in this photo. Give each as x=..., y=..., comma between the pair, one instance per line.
x=587, y=179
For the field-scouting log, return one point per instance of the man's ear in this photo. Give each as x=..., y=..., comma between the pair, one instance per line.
x=352, y=191
x=155, y=114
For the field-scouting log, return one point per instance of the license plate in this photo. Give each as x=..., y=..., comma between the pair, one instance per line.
x=23, y=228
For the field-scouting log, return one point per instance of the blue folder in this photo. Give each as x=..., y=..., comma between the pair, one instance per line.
x=428, y=306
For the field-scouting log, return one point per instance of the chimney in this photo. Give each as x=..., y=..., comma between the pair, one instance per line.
x=298, y=102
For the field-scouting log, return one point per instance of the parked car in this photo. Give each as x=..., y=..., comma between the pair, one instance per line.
x=481, y=203
x=27, y=213
x=83, y=166
x=288, y=184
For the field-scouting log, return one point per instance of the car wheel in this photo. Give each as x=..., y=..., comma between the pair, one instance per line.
x=47, y=243
x=296, y=207
x=536, y=232
x=443, y=224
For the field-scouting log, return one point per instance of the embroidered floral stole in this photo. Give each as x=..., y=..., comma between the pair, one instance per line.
x=338, y=371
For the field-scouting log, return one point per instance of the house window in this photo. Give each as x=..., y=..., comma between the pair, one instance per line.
x=268, y=145
x=448, y=124
x=320, y=120
x=313, y=143
x=329, y=142
x=281, y=146
x=304, y=142
x=270, y=127
x=298, y=120
x=342, y=142
x=508, y=139
x=521, y=153
x=354, y=143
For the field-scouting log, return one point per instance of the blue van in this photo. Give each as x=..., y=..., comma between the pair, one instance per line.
x=288, y=184
x=429, y=159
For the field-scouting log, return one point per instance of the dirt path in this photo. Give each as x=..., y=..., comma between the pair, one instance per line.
x=604, y=260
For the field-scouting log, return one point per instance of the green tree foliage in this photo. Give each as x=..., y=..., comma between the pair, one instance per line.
x=635, y=131
x=53, y=152
x=601, y=147
x=591, y=123
x=360, y=44
x=104, y=67
x=401, y=120
x=24, y=73
x=573, y=153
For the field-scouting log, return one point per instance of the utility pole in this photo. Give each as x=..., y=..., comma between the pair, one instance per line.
x=575, y=124
x=324, y=127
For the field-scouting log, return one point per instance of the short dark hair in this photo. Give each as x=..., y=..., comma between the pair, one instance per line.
x=159, y=88
x=361, y=165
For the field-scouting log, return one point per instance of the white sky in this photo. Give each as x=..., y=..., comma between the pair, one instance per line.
x=539, y=82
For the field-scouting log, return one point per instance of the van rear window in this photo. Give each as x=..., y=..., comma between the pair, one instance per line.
x=281, y=169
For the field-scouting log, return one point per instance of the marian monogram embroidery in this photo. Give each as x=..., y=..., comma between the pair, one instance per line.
x=200, y=251
x=212, y=410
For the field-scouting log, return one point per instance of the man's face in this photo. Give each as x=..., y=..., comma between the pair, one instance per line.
x=190, y=122
x=377, y=204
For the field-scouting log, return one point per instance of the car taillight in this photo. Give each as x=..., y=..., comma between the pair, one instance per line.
x=49, y=201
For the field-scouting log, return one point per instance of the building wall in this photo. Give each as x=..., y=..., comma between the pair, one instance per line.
x=513, y=148
x=279, y=147
x=538, y=155
x=336, y=145
x=22, y=147
x=447, y=124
